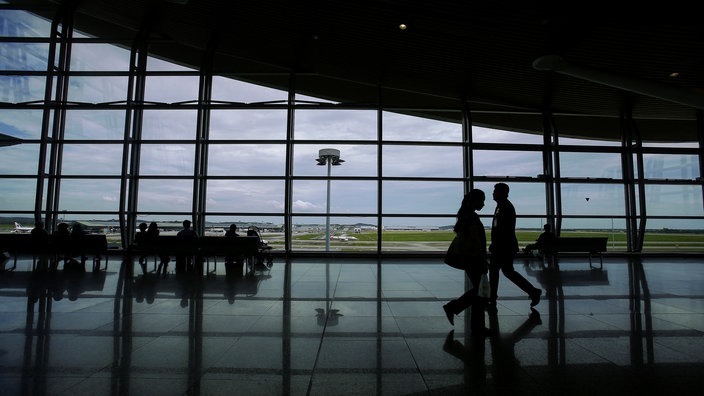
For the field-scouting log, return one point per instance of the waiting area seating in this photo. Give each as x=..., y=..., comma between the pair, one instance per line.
x=56, y=249
x=201, y=249
x=592, y=246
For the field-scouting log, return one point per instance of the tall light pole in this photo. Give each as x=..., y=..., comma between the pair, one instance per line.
x=329, y=157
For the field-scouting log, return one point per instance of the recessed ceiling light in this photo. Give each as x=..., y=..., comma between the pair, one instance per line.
x=674, y=74
x=402, y=26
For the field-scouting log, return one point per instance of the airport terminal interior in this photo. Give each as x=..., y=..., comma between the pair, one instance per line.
x=348, y=133
x=353, y=327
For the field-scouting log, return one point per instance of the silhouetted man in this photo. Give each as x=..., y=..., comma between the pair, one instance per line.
x=504, y=246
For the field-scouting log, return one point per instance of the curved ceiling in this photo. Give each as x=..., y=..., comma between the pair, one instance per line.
x=482, y=53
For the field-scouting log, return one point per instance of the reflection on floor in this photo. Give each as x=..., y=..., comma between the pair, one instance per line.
x=352, y=327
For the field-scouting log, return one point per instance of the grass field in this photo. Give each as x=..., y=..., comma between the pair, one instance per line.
x=439, y=240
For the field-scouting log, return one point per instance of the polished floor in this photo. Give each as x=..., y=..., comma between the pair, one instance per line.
x=352, y=327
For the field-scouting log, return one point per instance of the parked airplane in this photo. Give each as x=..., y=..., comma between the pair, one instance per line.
x=343, y=237
x=20, y=229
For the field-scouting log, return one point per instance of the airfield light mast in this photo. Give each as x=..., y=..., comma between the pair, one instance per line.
x=329, y=157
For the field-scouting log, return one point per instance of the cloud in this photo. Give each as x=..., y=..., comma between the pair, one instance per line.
x=304, y=206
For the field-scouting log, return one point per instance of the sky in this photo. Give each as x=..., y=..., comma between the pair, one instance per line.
x=260, y=152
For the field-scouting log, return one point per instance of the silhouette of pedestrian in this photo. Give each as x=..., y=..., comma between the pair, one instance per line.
x=504, y=246
x=473, y=237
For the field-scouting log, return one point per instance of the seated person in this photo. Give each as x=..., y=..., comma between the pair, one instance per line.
x=61, y=244
x=139, y=240
x=543, y=245
x=77, y=233
x=233, y=265
x=184, y=263
x=40, y=240
x=152, y=235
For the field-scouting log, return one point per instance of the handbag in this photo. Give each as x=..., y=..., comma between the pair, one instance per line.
x=455, y=257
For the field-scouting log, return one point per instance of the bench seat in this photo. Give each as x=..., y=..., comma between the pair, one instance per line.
x=593, y=246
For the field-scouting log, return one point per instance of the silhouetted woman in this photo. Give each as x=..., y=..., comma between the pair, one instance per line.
x=470, y=230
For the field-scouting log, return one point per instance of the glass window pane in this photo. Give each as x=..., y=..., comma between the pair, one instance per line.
x=614, y=229
x=23, y=124
x=348, y=234
x=97, y=89
x=488, y=135
x=346, y=196
x=606, y=165
x=674, y=200
x=19, y=89
x=671, y=166
x=592, y=199
x=20, y=159
x=24, y=56
x=165, y=195
x=95, y=124
x=92, y=159
x=431, y=234
x=99, y=57
x=171, y=89
x=246, y=160
x=692, y=144
x=87, y=195
x=336, y=124
x=18, y=194
x=167, y=159
x=156, y=64
x=417, y=197
x=508, y=163
x=16, y=23
x=360, y=160
x=527, y=198
x=231, y=90
x=422, y=161
x=245, y=196
x=409, y=128
x=673, y=235
x=588, y=142
x=169, y=124
x=266, y=224
x=248, y=124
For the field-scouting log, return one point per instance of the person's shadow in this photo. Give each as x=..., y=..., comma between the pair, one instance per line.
x=505, y=366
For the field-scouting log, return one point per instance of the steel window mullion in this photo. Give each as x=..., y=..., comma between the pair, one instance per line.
x=134, y=119
x=202, y=129
x=60, y=71
x=557, y=181
x=288, y=181
x=379, y=169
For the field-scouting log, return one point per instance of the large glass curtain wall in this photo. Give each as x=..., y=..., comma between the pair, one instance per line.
x=113, y=136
